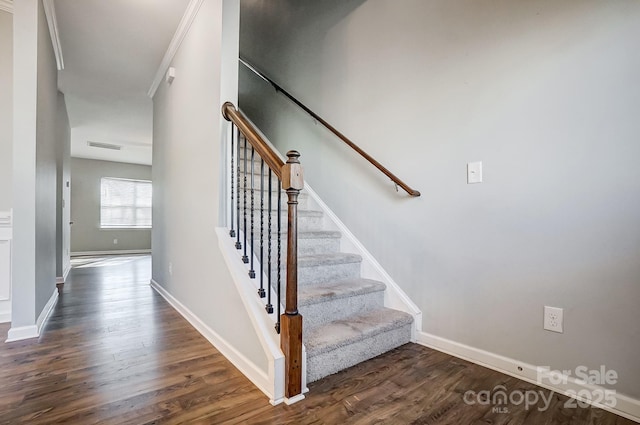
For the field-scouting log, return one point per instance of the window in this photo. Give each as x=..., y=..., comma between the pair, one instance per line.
x=125, y=203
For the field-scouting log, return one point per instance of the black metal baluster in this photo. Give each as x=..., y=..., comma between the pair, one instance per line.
x=261, y=292
x=238, y=244
x=245, y=259
x=232, y=232
x=269, y=306
x=252, y=271
x=279, y=253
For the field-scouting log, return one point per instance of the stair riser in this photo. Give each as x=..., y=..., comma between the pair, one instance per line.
x=305, y=246
x=337, y=309
x=341, y=358
x=327, y=273
x=315, y=274
x=303, y=201
x=305, y=223
x=318, y=246
x=256, y=182
x=256, y=168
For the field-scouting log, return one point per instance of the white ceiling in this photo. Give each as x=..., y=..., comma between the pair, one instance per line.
x=112, y=50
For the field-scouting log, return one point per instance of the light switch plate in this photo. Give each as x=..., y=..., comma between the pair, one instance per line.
x=474, y=172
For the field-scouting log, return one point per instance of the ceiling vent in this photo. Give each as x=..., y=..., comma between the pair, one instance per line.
x=104, y=146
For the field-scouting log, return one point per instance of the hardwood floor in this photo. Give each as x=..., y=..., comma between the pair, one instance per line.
x=114, y=352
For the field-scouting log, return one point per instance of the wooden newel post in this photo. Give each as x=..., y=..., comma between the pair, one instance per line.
x=291, y=320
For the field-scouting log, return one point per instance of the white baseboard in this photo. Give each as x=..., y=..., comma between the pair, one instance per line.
x=5, y=311
x=46, y=311
x=33, y=331
x=246, y=366
x=114, y=252
x=625, y=406
x=65, y=274
x=22, y=332
x=292, y=400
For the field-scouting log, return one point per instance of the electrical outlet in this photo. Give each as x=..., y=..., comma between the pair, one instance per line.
x=170, y=269
x=474, y=172
x=115, y=242
x=553, y=319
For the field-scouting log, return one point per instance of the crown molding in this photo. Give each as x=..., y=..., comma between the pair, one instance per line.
x=52, y=21
x=183, y=28
x=6, y=5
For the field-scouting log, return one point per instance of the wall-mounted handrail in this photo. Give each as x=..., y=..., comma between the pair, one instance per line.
x=290, y=179
x=382, y=168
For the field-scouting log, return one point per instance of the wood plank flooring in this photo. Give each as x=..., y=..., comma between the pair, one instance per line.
x=114, y=352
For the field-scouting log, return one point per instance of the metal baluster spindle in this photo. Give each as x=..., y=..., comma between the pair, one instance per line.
x=245, y=259
x=261, y=292
x=279, y=253
x=269, y=306
x=238, y=244
x=252, y=271
x=232, y=232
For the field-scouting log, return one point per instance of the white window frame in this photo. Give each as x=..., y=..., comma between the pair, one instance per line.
x=134, y=206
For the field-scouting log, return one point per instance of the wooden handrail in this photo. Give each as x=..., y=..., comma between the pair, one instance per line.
x=231, y=113
x=290, y=175
x=383, y=169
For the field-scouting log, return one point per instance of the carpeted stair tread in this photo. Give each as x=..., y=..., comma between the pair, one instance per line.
x=314, y=294
x=328, y=259
x=341, y=333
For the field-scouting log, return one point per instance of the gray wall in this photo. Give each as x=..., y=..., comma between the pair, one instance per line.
x=545, y=93
x=46, y=164
x=186, y=184
x=63, y=189
x=6, y=108
x=86, y=234
x=34, y=164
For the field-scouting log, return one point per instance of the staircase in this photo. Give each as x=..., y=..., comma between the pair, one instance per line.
x=344, y=318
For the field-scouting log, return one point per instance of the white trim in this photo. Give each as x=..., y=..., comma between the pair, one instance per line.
x=46, y=311
x=52, y=21
x=6, y=5
x=246, y=366
x=294, y=399
x=5, y=317
x=114, y=252
x=183, y=28
x=22, y=332
x=65, y=274
x=625, y=406
x=34, y=331
x=6, y=217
